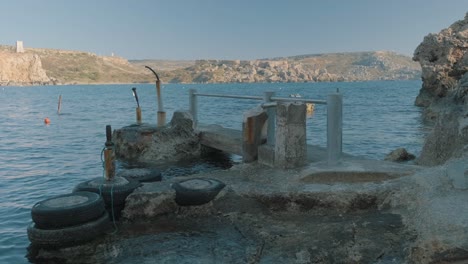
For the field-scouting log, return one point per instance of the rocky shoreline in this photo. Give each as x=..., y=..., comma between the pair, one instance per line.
x=357, y=211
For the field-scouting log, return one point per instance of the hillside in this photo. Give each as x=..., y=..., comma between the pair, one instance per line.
x=51, y=66
x=353, y=66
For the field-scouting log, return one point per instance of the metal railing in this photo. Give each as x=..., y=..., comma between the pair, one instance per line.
x=334, y=104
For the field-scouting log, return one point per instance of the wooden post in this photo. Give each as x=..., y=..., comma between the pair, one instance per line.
x=334, y=127
x=193, y=105
x=138, y=115
x=59, y=107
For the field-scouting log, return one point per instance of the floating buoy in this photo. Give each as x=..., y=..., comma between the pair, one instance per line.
x=46, y=121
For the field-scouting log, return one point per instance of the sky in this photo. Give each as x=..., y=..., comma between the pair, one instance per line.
x=225, y=29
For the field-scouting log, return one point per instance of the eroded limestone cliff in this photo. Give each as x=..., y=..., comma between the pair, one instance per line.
x=21, y=69
x=444, y=93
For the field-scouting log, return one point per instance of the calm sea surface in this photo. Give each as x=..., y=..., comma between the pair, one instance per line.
x=38, y=161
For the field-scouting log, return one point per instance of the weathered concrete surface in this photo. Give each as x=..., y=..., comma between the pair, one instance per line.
x=221, y=138
x=358, y=212
x=150, y=144
x=353, y=213
x=291, y=143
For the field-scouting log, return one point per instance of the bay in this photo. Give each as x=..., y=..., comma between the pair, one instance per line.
x=38, y=161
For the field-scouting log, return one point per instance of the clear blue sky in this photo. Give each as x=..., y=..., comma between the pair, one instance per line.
x=225, y=29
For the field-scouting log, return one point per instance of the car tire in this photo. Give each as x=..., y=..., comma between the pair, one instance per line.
x=142, y=175
x=114, y=192
x=196, y=191
x=67, y=210
x=68, y=236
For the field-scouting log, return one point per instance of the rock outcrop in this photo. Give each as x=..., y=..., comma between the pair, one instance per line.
x=147, y=144
x=444, y=60
x=21, y=69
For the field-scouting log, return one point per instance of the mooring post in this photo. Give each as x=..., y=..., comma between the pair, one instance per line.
x=138, y=109
x=271, y=112
x=109, y=156
x=334, y=127
x=193, y=105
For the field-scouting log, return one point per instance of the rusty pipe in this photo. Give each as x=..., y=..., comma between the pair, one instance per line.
x=161, y=113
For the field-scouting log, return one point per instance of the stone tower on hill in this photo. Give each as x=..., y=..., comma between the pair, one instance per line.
x=19, y=46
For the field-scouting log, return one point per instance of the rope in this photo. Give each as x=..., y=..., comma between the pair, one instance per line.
x=111, y=192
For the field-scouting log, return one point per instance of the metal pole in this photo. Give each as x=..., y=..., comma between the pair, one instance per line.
x=193, y=105
x=161, y=113
x=334, y=127
x=109, y=156
x=271, y=112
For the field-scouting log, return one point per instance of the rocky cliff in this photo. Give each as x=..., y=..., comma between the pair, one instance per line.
x=21, y=69
x=444, y=61
x=352, y=66
x=444, y=93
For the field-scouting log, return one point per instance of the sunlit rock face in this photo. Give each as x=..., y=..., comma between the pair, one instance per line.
x=22, y=69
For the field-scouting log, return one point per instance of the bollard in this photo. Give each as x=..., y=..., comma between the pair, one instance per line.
x=138, y=109
x=109, y=155
x=334, y=127
x=138, y=115
x=193, y=105
x=271, y=112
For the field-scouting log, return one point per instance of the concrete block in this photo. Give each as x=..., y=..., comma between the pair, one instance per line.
x=291, y=145
x=266, y=155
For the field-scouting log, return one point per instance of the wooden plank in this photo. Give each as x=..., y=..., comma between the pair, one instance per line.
x=224, y=139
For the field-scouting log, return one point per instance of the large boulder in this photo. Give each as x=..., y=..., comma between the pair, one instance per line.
x=149, y=144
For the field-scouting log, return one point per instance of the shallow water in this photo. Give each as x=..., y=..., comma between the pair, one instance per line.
x=38, y=161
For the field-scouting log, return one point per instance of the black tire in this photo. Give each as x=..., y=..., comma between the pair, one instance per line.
x=196, y=191
x=114, y=193
x=67, y=210
x=141, y=174
x=68, y=236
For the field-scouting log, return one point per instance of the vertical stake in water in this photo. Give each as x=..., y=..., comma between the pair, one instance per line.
x=138, y=109
x=161, y=113
x=59, y=107
x=193, y=107
x=334, y=127
x=271, y=112
x=109, y=156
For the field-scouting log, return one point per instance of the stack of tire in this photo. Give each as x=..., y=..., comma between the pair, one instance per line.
x=114, y=192
x=68, y=220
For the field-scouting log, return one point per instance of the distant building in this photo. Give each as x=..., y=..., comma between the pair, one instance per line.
x=19, y=46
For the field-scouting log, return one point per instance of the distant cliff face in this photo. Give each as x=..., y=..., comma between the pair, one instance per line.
x=51, y=66
x=21, y=69
x=353, y=66
x=444, y=60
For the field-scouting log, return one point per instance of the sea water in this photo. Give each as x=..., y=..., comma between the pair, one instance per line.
x=38, y=161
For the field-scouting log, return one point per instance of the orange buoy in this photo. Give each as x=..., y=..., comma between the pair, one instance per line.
x=46, y=121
